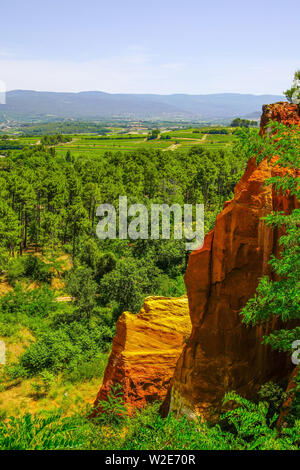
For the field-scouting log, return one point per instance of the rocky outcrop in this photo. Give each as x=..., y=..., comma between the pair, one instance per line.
x=222, y=354
x=145, y=350
x=283, y=112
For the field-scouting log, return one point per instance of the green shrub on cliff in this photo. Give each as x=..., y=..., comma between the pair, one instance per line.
x=293, y=94
x=278, y=296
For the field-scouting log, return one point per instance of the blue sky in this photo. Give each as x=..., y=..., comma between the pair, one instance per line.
x=164, y=46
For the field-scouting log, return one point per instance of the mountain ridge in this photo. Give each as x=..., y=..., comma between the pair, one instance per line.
x=31, y=105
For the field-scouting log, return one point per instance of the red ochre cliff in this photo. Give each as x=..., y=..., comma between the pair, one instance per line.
x=222, y=354
x=145, y=350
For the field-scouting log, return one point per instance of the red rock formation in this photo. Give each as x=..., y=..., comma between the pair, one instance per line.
x=222, y=354
x=145, y=350
x=283, y=112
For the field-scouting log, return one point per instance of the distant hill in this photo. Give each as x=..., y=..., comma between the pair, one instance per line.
x=24, y=105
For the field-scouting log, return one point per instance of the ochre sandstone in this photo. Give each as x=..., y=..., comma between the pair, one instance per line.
x=283, y=112
x=223, y=354
x=145, y=350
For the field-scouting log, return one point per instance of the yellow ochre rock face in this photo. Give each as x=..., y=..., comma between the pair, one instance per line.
x=145, y=350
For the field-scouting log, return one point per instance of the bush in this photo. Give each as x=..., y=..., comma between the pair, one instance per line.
x=37, y=269
x=15, y=270
x=81, y=285
x=149, y=431
x=112, y=411
x=87, y=370
x=25, y=307
x=129, y=284
x=169, y=287
x=252, y=428
x=274, y=395
x=15, y=371
x=67, y=348
x=52, y=351
x=100, y=263
x=42, y=388
x=28, y=266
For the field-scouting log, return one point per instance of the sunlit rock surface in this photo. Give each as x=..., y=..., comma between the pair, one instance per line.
x=145, y=350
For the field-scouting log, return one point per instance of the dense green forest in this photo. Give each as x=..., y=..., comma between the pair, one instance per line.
x=48, y=202
x=48, y=208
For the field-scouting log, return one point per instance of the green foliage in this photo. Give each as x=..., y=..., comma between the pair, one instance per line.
x=86, y=370
x=52, y=351
x=217, y=131
x=238, y=122
x=129, y=283
x=15, y=270
x=25, y=308
x=294, y=413
x=54, y=202
x=274, y=395
x=28, y=266
x=112, y=411
x=151, y=432
x=55, y=139
x=81, y=285
x=279, y=297
x=252, y=429
x=247, y=427
x=153, y=134
x=293, y=94
x=100, y=263
x=67, y=339
x=66, y=348
x=39, y=433
x=65, y=127
x=42, y=387
x=169, y=287
x=9, y=229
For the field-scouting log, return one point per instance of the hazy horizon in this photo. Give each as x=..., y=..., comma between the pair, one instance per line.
x=125, y=93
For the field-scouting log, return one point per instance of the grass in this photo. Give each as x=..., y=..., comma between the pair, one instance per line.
x=65, y=396
x=18, y=396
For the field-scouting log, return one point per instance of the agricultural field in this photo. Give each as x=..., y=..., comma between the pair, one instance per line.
x=183, y=140
x=117, y=139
